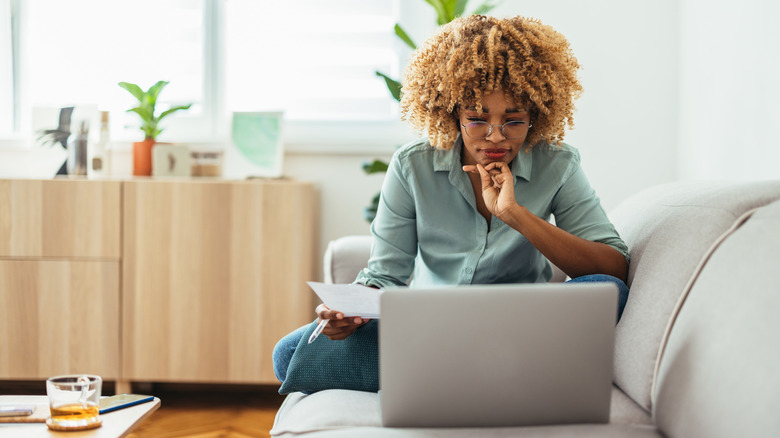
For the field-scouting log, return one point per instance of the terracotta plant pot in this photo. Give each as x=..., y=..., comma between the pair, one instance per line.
x=142, y=157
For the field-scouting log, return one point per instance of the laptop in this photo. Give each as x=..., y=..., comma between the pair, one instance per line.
x=496, y=355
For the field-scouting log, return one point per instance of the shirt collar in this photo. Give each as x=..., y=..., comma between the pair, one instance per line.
x=449, y=159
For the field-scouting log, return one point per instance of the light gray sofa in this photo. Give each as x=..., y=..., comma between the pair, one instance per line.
x=697, y=351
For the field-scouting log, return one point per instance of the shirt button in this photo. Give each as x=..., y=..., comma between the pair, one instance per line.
x=468, y=270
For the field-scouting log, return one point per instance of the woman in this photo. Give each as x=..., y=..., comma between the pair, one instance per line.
x=471, y=203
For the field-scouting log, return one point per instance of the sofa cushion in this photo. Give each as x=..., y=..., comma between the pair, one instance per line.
x=718, y=375
x=334, y=409
x=340, y=410
x=624, y=410
x=668, y=229
x=326, y=364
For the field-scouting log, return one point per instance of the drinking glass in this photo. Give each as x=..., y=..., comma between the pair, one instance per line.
x=74, y=401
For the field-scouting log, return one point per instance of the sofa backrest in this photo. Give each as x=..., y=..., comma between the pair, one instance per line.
x=345, y=257
x=668, y=229
x=718, y=374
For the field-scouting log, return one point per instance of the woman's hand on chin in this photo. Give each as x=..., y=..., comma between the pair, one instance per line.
x=498, y=188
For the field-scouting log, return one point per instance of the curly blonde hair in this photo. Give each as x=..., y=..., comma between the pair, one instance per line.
x=473, y=56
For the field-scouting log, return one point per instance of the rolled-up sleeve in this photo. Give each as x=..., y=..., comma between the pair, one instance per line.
x=578, y=210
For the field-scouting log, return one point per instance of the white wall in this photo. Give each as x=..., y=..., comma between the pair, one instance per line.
x=729, y=90
x=626, y=119
x=343, y=190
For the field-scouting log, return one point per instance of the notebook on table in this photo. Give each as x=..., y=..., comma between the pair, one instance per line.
x=496, y=355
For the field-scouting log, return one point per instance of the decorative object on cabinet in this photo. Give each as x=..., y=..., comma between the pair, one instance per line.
x=99, y=158
x=171, y=160
x=206, y=163
x=142, y=150
x=77, y=150
x=256, y=148
x=59, y=135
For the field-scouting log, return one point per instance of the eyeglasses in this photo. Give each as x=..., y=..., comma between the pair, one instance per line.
x=479, y=129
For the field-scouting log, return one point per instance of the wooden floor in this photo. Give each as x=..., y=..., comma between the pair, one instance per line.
x=207, y=412
x=199, y=411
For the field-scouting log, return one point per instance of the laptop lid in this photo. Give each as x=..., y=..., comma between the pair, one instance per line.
x=497, y=355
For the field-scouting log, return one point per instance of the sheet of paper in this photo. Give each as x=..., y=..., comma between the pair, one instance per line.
x=349, y=299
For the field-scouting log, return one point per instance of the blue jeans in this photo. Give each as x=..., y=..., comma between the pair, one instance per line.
x=283, y=352
x=603, y=278
x=285, y=348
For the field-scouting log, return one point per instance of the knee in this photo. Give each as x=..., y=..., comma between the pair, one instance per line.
x=603, y=278
x=281, y=361
x=283, y=352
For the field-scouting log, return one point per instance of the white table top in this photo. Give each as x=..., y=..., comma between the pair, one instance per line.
x=115, y=424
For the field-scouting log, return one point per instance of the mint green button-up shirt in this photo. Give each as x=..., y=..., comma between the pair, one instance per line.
x=428, y=228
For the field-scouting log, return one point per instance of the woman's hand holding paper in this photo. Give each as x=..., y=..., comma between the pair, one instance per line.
x=339, y=327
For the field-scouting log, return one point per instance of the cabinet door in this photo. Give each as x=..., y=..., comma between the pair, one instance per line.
x=60, y=218
x=213, y=276
x=60, y=317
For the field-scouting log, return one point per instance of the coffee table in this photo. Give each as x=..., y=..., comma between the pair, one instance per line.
x=115, y=424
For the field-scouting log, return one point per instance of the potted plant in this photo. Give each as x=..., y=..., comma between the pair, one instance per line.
x=150, y=123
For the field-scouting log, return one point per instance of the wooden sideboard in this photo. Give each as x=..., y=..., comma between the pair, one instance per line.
x=59, y=278
x=152, y=280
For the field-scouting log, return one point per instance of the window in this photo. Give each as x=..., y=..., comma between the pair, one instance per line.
x=75, y=52
x=6, y=68
x=313, y=59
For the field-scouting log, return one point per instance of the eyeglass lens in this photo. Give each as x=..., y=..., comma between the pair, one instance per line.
x=479, y=129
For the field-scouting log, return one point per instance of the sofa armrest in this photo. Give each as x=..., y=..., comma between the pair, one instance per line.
x=345, y=257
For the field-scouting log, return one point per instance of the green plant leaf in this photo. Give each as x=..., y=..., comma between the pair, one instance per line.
x=485, y=7
x=154, y=91
x=441, y=11
x=143, y=112
x=146, y=109
x=134, y=89
x=369, y=212
x=451, y=7
x=401, y=33
x=173, y=110
x=153, y=133
x=376, y=166
x=460, y=7
x=392, y=85
x=150, y=130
